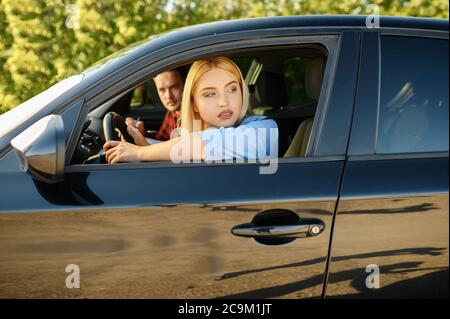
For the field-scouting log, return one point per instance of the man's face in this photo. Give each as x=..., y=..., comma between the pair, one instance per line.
x=170, y=89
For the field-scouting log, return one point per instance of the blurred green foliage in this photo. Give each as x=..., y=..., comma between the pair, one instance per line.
x=44, y=41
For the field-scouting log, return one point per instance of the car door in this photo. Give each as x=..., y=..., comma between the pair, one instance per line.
x=165, y=230
x=391, y=230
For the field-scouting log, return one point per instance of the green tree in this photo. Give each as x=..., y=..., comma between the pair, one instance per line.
x=43, y=41
x=41, y=50
x=7, y=97
x=107, y=26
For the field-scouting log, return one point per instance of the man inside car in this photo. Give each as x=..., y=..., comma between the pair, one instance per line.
x=169, y=85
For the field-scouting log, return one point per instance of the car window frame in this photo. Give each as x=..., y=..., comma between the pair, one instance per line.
x=330, y=39
x=363, y=137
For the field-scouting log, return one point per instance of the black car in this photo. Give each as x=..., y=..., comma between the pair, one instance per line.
x=356, y=207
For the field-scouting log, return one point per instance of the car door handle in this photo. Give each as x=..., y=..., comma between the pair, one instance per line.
x=304, y=228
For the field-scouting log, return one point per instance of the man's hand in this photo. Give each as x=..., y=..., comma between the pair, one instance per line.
x=137, y=124
x=136, y=129
x=138, y=138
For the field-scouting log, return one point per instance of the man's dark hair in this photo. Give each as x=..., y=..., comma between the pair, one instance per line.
x=182, y=71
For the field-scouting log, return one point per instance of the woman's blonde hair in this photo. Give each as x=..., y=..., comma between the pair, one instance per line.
x=198, y=68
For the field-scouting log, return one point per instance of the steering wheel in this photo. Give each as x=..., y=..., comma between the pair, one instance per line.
x=114, y=127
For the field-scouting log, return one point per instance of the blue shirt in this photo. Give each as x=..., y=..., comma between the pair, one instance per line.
x=255, y=138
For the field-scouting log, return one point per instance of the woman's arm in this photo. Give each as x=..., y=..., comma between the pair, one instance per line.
x=186, y=147
x=255, y=138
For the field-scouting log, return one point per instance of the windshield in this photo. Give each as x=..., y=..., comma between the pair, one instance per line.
x=22, y=112
x=115, y=56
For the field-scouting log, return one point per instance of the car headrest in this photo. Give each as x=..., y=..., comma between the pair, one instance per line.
x=313, y=78
x=272, y=89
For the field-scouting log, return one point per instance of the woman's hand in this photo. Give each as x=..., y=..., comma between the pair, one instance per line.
x=175, y=150
x=116, y=152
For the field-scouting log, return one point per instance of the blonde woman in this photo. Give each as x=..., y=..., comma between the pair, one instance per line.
x=214, y=125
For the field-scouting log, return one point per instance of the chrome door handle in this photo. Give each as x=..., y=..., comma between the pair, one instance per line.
x=304, y=228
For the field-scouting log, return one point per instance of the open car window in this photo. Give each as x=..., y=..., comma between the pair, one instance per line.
x=284, y=85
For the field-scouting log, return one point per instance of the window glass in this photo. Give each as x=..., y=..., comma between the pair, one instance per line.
x=146, y=96
x=295, y=74
x=413, y=110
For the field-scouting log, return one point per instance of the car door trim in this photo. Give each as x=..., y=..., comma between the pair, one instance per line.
x=384, y=157
x=77, y=168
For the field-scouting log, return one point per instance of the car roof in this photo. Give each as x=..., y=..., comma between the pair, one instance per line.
x=324, y=21
x=307, y=21
x=175, y=36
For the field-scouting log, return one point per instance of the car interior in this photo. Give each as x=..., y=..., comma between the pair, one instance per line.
x=284, y=85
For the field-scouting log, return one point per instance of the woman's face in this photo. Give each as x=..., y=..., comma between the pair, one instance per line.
x=218, y=98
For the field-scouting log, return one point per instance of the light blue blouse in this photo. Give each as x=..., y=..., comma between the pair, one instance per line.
x=255, y=138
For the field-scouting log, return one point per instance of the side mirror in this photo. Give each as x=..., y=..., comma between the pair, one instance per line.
x=41, y=149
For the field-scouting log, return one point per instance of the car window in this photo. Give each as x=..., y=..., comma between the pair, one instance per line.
x=284, y=85
x=244, y=63
x=146, y=96
x=294, y=71
x=413, y=109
